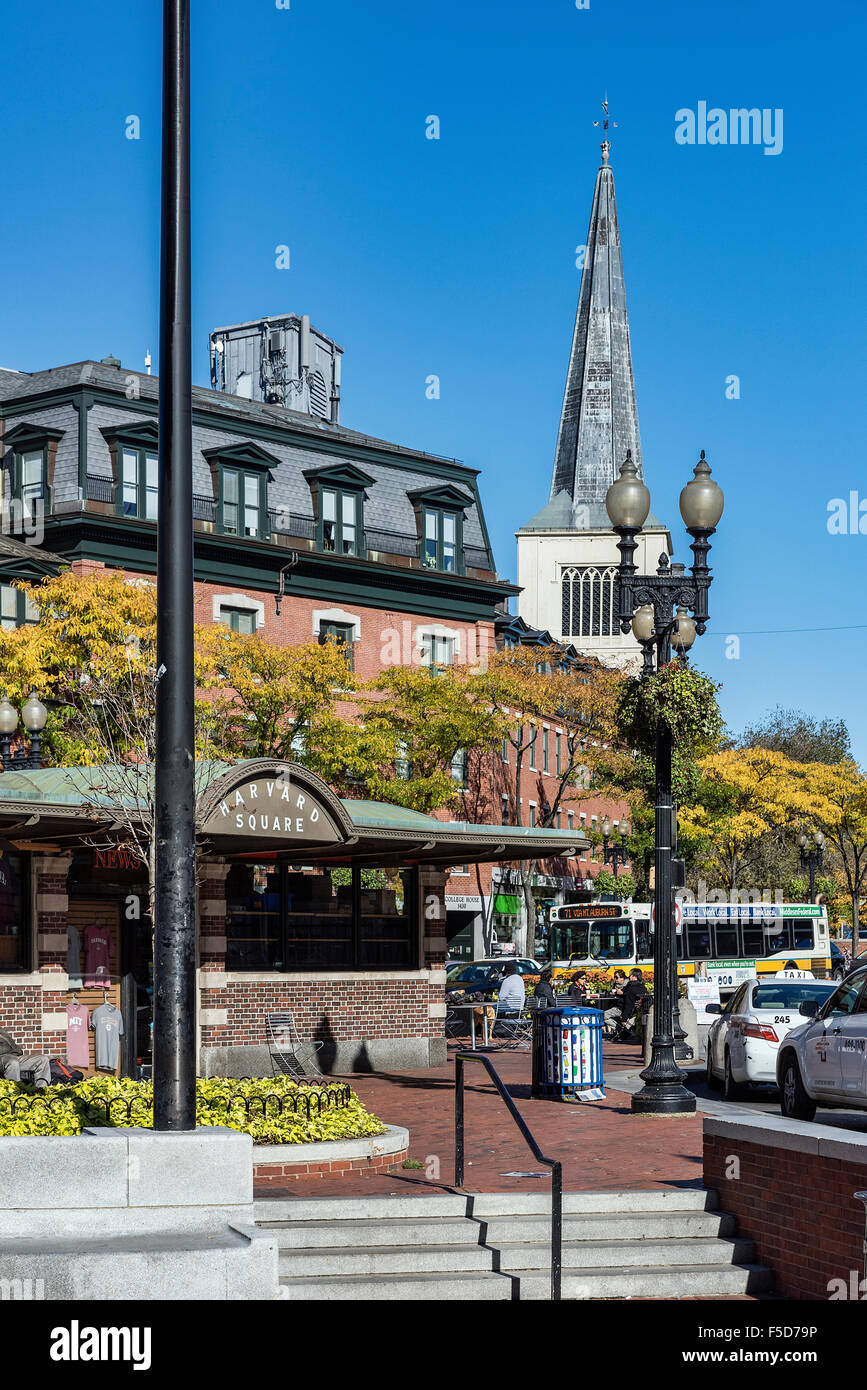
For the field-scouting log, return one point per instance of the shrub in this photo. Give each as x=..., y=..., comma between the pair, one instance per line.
x=261, y=1107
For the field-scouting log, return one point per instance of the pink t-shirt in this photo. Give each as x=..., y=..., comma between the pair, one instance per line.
x=97, y=949
x=77, y=1024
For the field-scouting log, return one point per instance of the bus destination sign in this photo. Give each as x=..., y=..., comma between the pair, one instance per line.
x=574, y=912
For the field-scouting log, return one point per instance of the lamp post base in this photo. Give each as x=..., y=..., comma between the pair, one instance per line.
x=664, y=1098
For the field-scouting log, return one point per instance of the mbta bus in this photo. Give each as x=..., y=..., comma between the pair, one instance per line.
x=726, y=942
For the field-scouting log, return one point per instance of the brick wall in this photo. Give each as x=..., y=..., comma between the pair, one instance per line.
x=791, y=1187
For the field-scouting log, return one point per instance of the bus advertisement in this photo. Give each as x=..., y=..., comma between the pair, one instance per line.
x=724, y=942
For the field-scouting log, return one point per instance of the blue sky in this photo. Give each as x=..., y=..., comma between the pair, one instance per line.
x=456, y=257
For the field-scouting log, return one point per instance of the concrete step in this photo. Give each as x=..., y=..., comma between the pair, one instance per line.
x=385, y=1260
x=660, y=1281
x=628, y=1226
x=273, y=1210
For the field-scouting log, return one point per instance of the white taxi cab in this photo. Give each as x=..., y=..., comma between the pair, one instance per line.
x=824, y=1061
x=743, y=1043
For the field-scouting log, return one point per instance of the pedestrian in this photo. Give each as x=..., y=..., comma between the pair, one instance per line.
x=13, y=1061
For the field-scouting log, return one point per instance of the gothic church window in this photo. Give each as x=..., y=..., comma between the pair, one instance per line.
x=588, y=601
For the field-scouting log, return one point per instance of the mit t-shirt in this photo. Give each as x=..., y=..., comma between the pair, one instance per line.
x=97, y=950
x=77, y=1024
x=107, y=1025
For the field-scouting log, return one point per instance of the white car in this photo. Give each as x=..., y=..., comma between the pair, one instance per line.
x=824, y=1062
x=743, y=1043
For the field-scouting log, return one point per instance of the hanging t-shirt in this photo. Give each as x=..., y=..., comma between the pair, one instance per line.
x=77, y=1024
x=107, y=1025
x=73, y=957
x=97, y=950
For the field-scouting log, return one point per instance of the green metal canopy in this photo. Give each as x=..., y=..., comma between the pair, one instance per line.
x=265, y=806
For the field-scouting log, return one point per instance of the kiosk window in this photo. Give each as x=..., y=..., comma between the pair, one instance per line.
x=284, y=918
x=14, y=933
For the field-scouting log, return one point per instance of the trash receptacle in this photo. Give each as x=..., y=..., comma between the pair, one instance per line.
x=567, y=1054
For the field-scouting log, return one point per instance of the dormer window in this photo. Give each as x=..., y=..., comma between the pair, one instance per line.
x=338, y=498
x=243, y=499
x=440, y=549
x=240, y=476
x=34, y=448
x=341, y=521
x=139, y=480
x=440, y=519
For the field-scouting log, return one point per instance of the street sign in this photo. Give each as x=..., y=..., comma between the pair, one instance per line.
x=678, y=914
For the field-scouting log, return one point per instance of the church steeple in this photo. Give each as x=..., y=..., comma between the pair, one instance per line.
x=599, y=419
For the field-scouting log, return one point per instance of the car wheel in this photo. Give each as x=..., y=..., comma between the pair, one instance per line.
x=713, y=1081
x=794, y=1101
x=839, y=973
x=732, y=1090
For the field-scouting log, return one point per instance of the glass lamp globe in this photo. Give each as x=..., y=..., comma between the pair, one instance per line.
x=624, y=829
x=701, y=501
x=643, y=622
x=8, y=717
x=606, y=827
x=684, y=631
x=34, y=714
x=627, y=501
x=819, y=838
x=802, y=840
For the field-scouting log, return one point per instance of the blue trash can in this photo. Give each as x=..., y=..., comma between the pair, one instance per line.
x=568, y=1054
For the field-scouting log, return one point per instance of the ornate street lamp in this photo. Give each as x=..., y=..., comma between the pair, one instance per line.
x=665, y=610
x=614, y=854
x=812, y=855
x=34, y=716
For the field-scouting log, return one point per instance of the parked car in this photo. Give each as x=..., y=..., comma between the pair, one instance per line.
x=839, y=962
x=856, y=964
x=484, y=975
x=743, y=1043
x=824, y=1061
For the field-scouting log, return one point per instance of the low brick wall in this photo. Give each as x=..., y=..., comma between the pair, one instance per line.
x=790, y=1185
x=276, y=1164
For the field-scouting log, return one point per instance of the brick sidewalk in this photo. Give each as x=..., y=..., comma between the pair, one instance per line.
x=602, y=1145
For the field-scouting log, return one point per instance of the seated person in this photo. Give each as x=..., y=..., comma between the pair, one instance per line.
x=512, y=992
x=13, y=1061
x=545, y=997
x=633, y=992
x=612, y=1016
x=579, y=987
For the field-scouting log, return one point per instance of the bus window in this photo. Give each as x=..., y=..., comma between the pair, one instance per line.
x=803, y=936
x=698, y=942
x=726, y=941
x=611, y=940
x=644, y=947
x=754, y=941
x=776, y=936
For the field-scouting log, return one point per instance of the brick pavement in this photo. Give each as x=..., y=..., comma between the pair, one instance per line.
x=602, y=1145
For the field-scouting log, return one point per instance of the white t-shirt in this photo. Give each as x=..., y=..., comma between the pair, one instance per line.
x=512, y=994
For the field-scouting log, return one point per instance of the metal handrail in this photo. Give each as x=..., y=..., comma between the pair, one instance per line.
x=553, y=1163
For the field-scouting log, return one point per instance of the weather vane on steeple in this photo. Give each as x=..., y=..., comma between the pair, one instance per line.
x=606, y=144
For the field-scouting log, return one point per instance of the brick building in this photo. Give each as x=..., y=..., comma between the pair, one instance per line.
x=304, y=529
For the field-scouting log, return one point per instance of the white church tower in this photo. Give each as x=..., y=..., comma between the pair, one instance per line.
x=567, y=553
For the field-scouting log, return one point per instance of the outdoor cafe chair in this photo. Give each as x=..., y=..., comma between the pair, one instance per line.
x=290, y=1054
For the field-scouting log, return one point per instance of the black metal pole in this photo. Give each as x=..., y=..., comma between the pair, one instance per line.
x=663, y=1092
x=459, y=1121
x=174, y=827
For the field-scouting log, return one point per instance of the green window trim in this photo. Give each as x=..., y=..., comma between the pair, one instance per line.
x=16, y=609
x=242, y=502
x=441, y=546
x=340, y=520
x=241, y=620
x=30, y=477
x=343, y=634
x=136, y=488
